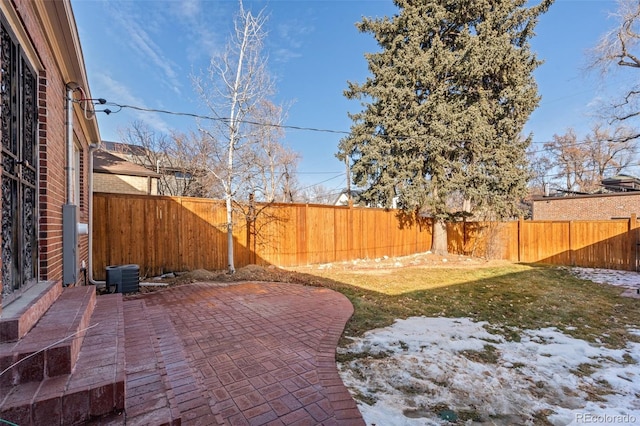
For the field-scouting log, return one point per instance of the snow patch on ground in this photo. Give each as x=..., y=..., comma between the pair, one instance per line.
x=430, y=371
x=626, y=279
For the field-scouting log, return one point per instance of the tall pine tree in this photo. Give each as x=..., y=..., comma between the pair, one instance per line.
x=444, y=108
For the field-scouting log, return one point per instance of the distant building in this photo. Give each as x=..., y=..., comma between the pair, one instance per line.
x=343, y=199
x=174, y=176
x=116, y=175
x=620, y=197
x=621, y=183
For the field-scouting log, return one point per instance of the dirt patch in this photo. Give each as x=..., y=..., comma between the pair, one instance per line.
x=387, y=265
x=247, y=273
x=303, y=274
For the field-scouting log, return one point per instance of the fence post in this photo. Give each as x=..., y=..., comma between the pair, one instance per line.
x=635, y=244
x=520, y=225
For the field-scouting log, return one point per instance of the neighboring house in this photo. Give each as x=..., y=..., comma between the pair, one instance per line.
x=621, y=183
x=49, y=345
x=116, y=175
x=619, y=198
x=604, y=206
x=175, y=178
x=131, y=152
x=343, y=199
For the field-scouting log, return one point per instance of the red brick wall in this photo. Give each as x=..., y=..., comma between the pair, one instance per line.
x=52, y=150
x=587, y=207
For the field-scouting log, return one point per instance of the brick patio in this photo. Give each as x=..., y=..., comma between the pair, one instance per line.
x=243, y=354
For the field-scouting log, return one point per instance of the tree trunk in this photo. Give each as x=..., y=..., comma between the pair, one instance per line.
x=439, y=241
x=231, y=266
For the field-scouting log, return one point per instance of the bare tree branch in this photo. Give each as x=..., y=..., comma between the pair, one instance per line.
x=618, y=48
x=581, y=165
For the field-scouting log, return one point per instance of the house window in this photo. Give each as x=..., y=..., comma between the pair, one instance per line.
x=18, y=138
x=183, y=175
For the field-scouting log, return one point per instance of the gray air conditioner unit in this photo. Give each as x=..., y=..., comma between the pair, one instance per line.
x=123, y=278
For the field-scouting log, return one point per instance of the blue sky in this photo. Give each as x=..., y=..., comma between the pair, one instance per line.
x=144, y=52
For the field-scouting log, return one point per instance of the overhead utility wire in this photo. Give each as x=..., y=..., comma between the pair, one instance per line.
x=560, y=174
x=205, y=117
x=120, y=107
x=561, y=147
x=326, y=180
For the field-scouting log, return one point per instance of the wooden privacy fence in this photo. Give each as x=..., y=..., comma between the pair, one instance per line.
x=611, y=244
x=163, y=234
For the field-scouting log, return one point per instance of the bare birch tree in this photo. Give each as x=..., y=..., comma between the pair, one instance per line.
x=233, y=88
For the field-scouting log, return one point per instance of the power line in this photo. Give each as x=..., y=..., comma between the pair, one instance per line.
x=333, y=172
x=208, y=117
x=560, y=174
x=83, y=102
x=326, y=180
x=250, y=122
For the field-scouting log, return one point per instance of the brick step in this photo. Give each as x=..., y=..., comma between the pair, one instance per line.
x=21, y=315
x=64, y=322
x=95, y=387
x=149, y=398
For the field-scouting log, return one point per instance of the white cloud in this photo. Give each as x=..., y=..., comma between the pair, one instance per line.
x=115, y=91
x=190, y=8
x=139, y=36
x=203, y=24
x=288, y=42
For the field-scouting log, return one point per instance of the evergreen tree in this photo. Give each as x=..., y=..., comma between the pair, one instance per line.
x=448, y=96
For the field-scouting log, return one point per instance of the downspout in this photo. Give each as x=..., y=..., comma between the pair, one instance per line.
x=92, y=148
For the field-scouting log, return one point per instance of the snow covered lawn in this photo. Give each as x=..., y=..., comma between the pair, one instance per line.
x=431, y=371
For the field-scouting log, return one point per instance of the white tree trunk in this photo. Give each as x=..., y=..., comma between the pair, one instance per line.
x=231, y=266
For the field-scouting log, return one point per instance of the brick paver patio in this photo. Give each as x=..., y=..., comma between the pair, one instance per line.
x=242, y=354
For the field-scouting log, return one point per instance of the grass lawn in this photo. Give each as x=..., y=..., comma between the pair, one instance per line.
x=508, y=296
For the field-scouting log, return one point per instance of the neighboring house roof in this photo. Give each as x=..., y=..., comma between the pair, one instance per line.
x=105, y=162
x=123, y=148
x=622, y=183
x=584, y=196
x=343, y=198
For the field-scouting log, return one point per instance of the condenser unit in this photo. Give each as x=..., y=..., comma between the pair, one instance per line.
x=123, y=278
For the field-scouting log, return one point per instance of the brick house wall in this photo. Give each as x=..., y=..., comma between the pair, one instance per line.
x=45, y=30
x=123, y=184
x=587, y=207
